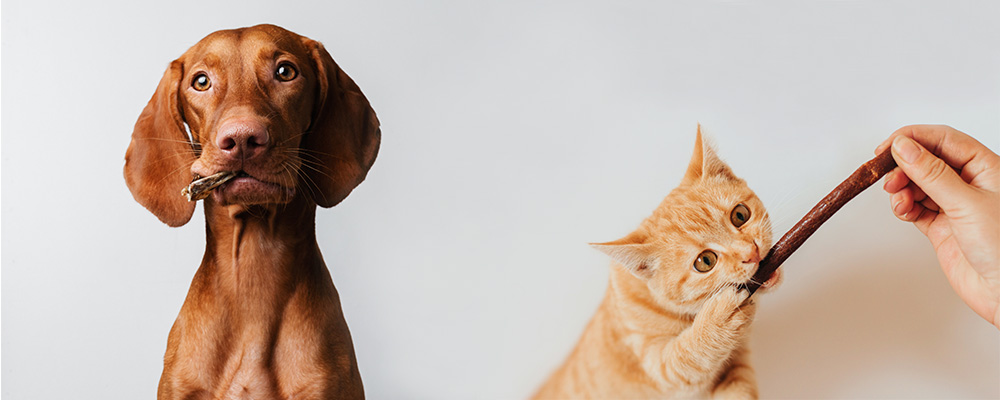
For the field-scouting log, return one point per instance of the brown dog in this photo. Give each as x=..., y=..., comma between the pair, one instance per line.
x=262, y=319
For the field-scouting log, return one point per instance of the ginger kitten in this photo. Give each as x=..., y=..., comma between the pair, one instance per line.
x=673, y=323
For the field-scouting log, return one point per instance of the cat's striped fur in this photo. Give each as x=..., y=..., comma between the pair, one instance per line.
x=664, y=329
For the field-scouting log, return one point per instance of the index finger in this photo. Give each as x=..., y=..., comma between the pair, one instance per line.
x=960, y=151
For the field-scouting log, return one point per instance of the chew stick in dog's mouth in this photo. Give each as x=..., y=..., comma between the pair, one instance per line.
x=869, y=173
x=201, y=188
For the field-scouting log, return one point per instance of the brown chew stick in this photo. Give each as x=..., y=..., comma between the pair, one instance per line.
x=202, y=187
x=869, y=173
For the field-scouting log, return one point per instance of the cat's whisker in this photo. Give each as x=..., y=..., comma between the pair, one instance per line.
x=781, y=203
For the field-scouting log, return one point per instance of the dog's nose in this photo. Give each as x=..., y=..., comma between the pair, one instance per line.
x=243, y=138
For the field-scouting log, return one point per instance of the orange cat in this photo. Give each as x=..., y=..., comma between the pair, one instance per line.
x=673, y=323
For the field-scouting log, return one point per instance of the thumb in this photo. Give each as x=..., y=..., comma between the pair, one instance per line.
x=935, y=177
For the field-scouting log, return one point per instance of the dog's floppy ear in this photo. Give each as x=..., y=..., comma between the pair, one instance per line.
x=344, y=137
x=158, y=160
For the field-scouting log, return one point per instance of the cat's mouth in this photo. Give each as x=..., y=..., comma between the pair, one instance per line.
x=772, y=280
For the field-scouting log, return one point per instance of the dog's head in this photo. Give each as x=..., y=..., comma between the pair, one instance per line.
x=263, y=102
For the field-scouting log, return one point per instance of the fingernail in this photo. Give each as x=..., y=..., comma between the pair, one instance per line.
x=895, y=207
x=906, y=149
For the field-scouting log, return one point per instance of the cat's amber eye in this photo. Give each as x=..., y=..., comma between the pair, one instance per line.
x=740, y=215
x=706, y=261
x=201, y=82
x=286, y=72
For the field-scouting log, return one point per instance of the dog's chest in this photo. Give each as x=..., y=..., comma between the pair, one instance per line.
x=288, y=370
x=243, y=352
x=252, y=382
x=286, y=367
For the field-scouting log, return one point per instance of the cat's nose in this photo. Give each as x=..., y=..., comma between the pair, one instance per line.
x=754, y=255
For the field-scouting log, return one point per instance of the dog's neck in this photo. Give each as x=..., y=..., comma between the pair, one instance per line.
x=257, y=254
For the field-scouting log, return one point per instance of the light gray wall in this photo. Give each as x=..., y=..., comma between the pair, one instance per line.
x=514, y=133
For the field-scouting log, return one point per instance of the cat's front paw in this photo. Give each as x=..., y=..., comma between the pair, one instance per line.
x=739, y=389
x=728, y=311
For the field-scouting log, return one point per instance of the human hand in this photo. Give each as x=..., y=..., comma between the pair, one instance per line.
x=948, y=185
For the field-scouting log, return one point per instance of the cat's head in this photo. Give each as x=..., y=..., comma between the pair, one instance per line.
x=709, y=232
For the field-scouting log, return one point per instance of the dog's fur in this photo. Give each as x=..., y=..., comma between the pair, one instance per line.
x=262, y=318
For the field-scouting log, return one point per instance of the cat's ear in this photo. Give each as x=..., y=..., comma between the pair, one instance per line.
x=704, y=162
x=632, y=252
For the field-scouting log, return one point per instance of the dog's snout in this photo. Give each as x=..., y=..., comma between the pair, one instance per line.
x=242, y=138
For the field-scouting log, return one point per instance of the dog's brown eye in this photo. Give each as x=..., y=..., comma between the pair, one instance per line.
x=740, y=215
x=706, y=261
x=201, y=82
x=286, y=72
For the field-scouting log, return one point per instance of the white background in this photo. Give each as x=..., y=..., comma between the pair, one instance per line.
x=513, y=134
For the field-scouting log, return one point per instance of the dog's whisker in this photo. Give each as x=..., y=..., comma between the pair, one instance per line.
x=314, y=153
x=187, y=142
x=307, y=180
x=185, y=166
x=318, y=171
x=293, y=137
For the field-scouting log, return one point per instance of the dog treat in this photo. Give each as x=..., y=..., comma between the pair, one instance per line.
x=200, y=188
x=869, y=173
